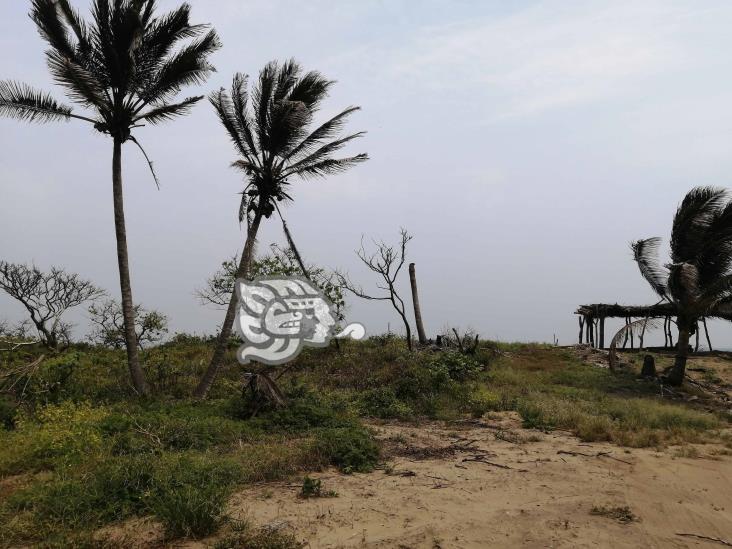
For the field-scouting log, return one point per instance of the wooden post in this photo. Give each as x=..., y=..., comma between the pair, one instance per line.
x=706, y=332
x=625, y=339
x=670, y=334
x=417, y=311
x=632, y=336
x=665, y=332
x=581, y=325
x=696, y=342
x=602, y=332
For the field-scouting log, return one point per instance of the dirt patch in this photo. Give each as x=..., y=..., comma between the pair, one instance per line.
x=516, y=494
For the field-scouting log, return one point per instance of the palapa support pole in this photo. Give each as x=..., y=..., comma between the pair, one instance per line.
x=625, y=339
x=602, y=332
x=696, y=342
x=665, y=332
x=581, y=326
x=632, y=336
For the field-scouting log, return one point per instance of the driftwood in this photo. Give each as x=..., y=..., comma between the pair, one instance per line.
x=707, y=538
x=598, y=454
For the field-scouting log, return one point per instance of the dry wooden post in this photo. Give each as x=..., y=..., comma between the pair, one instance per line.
x=632, y=337
x=602, y=332
x=625, y=339
x=696, y=342
x=417, y=310
x=670, y=333
x=581, y=325
x=665, y=332
x=706, y=332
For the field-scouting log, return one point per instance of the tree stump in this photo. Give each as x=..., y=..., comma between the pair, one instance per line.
x=649, y=366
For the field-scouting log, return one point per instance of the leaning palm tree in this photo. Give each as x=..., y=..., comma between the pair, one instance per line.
x=272, y=135
x=125, y=67
x=698, y=279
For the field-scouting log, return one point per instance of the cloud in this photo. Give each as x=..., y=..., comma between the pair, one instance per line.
x=546, y=56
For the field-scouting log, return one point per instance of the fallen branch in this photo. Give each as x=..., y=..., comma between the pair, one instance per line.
x=15, y=345
x=598, y=454
x=708, y=538
x=481, y=459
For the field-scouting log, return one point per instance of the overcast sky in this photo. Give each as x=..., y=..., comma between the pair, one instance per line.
x=523, y=144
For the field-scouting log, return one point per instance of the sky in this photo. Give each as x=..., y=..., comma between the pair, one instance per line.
x=523, y=144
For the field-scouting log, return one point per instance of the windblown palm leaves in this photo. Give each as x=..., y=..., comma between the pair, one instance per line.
x=270, y=129
x=698, y=278
x=125, y=66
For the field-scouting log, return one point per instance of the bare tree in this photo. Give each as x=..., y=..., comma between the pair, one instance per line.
x=109, y=325
x=47, y=296
x=387, y=261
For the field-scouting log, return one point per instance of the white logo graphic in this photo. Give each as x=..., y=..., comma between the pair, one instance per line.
x=278, y=316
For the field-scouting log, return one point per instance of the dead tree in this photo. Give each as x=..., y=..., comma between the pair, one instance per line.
x=387, y=261
x=46, y=296
x=417, y=310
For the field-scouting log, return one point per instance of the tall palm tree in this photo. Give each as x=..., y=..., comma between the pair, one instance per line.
x=125, y=67
x=698, y=279
x=272, y=135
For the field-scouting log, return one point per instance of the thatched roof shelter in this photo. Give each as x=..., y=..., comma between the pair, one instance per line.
x=592, y=319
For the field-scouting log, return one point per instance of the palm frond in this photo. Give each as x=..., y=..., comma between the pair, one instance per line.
x=188, y=66
x=45, y=14
x=262, y=97
x=287, y=76
x=326, y=130
x=167, y=112
x=714, y=259
x=683, y=283
x=329, y=166
x=638, y=328
x=149, y=162
x=224, y=107
x=311, y=89
x=81, y=85
x=240, y=101
x=693, y=220
x=25, y=103
x=321, y=154
x=645, y=254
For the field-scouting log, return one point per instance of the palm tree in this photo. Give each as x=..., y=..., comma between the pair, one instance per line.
x=124, y=68
x=698, y=279
x=273, y=137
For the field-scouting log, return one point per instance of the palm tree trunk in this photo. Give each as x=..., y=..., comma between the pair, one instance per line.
x=676, y=376
x=223, y=339
x=133, y=361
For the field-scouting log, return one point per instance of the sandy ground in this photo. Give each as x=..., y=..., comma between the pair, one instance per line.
x=442, y=492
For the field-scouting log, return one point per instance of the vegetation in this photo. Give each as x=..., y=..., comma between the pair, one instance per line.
x=699, y=277
x=108, y=321
x=80, y=450
x=275, y=143
x=123, y=67
x=46, y=297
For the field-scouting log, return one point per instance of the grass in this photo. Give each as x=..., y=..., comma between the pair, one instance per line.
x=82, y=452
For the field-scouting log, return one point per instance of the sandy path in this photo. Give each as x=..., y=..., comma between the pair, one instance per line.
x=544, y=500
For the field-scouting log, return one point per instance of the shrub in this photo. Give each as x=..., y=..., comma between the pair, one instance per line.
x=7, y=414
x=459, y=367
x=351, y=449
x=383, y=403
